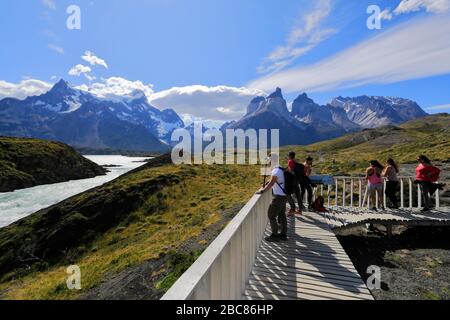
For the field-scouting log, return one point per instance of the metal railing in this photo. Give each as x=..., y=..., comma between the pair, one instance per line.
x=354, y=192
x=222, y=271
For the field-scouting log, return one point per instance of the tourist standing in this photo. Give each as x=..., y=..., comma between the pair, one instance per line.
x=307, y=185
x=426, y=176
x=390, y=172
x=293, y=168
x=277, y=208
x=375, y=183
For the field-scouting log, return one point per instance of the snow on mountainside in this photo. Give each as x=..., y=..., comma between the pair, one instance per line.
x=91, y=118
x=130, y=122
x=373, y=112
x=310, y=122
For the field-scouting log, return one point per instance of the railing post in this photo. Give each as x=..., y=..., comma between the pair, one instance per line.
x=329, y=196
x=377, y=200
x=360, y=200
x=344, y=185
x=337, y=190
x=352, y=185
x=438, y=203
x=419, y=197
x=384, y=194
x=402, y=196
x=410, y=193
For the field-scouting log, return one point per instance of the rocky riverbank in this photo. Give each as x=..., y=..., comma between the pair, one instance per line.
x=414, y=263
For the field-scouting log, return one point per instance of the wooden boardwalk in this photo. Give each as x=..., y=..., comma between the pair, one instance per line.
x=348, y=217
x=312, y=265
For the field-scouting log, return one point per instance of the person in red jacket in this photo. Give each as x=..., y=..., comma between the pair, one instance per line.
x=426, y=176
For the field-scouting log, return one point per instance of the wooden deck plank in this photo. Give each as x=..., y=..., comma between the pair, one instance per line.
x=304, y=287
x=310, y=282
x=341, y=217
x=324, y=277
x=311, y=265
x=299, y=278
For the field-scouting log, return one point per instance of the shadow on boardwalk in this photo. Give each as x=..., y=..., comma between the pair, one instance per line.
x=311, y=265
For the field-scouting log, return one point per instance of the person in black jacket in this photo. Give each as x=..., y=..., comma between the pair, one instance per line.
x=292, y=164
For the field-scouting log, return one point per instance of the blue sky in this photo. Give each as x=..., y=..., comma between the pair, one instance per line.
x=227, y=51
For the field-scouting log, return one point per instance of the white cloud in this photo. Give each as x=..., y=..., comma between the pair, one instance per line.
x=79, y=69
x=115, y=88
x=401, y=53
x=443, y=107
x=94, y=60
x=49, y=4
x=408, y=6
x=56, y=48
x=386, y=15
x=23, y=89
x=434, y=6
x=303, y=37
x=214, y=103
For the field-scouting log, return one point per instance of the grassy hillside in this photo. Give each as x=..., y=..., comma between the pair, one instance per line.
x=351, y=153
x=26, y=163
x=161, y=216
x=134, y=236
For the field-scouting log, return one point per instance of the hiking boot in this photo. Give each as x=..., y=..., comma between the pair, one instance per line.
x=298, y=211
x=283, y=237
x=426, y=210
x=272, y=238
x=374, y=209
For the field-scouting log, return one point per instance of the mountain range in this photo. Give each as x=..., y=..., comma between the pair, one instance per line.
x=309, y=122
x=83, y=120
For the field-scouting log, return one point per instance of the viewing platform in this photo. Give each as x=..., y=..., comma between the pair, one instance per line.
x=312, y=264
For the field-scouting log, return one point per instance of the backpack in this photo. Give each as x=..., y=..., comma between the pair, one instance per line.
x=299, y=171
x=319, y=204
x=300, y=174
x=289, y=182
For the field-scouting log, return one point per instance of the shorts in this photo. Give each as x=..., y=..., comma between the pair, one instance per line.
x=378, y=186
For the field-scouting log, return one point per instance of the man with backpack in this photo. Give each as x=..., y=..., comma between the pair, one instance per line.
x=280, y=181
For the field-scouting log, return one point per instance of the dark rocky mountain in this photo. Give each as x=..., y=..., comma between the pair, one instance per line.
x=272, y=113
x=309, y=122
x=83, y=120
